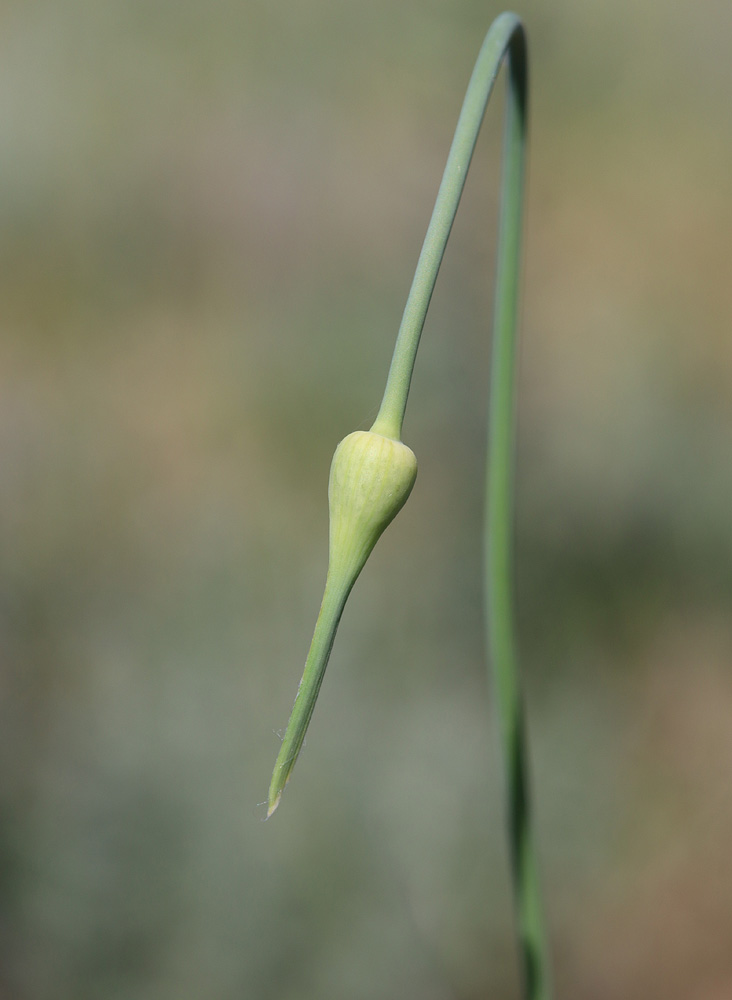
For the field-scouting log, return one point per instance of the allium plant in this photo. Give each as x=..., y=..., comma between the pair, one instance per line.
x=373, y=473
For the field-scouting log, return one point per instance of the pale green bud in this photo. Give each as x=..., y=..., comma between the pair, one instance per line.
x=370, y=479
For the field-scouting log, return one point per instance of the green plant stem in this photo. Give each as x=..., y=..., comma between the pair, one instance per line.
x=505, y=38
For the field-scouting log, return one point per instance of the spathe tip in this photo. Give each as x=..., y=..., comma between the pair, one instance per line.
x=273, y=805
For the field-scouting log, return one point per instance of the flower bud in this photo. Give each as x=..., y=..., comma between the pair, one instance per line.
x=370, y=479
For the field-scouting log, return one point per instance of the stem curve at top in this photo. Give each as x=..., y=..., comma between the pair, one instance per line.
x=506, y=38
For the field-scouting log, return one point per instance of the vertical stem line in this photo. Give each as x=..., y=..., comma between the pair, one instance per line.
x=499, y=545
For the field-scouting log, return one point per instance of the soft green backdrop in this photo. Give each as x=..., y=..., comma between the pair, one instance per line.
x=209, y=218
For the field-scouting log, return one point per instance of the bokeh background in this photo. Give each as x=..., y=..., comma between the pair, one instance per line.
x=209, y=218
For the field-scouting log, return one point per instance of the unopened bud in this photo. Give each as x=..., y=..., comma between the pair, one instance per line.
x=370, y=480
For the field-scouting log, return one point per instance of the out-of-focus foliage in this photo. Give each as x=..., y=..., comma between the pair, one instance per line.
x=209, y=217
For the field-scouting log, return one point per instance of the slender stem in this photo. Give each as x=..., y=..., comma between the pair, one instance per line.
x=505, y=38
x=505, y=35
x=499, y=584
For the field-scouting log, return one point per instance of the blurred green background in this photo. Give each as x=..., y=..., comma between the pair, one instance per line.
x=209, y=218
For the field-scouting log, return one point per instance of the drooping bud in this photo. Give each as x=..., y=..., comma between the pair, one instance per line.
x=371, y=477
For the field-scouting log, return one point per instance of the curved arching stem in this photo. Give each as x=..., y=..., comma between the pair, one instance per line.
x=505, y=38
